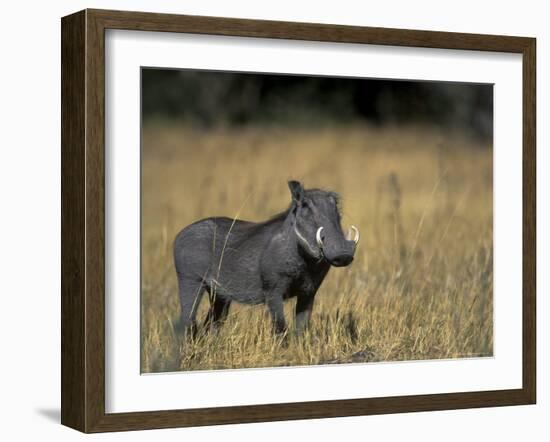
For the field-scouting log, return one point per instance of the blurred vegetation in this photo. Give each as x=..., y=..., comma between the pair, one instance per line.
x=211, y=99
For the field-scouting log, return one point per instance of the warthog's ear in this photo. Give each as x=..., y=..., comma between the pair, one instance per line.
x=297, y=190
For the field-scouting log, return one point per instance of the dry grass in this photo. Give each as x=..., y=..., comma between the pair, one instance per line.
x=422, y=281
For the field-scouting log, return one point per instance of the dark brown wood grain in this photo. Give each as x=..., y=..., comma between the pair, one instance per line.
x=73, y=128
x=145, y=21
x=529, y=221
x=83, y=220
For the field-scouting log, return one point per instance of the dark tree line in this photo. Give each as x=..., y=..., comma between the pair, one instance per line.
x=210, y=98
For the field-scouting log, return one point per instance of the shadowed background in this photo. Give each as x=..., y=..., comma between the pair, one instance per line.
x=413, y=163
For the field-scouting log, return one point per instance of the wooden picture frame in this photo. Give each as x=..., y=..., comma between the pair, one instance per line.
x=83, y=220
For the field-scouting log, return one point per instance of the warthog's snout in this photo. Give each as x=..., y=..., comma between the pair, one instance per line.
x=342, y=260
x=342, y=257
x=338, y=253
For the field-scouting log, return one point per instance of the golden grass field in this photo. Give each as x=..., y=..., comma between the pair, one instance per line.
x=422, y=281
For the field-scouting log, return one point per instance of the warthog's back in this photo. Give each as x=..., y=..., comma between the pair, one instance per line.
x=225, y=254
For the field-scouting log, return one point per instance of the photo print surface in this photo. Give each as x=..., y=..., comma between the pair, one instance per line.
x=292, y=220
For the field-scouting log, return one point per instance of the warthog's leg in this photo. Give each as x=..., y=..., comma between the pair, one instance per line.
x=219, y=309
x=191, y=292
x=304, y=305
x=274, y=301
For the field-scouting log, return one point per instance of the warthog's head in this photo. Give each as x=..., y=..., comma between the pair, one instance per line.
x=317, y=225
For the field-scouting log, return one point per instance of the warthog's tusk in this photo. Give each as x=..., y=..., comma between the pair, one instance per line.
x=356, y=231
x=318, y=237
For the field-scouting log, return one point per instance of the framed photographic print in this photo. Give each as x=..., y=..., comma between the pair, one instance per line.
x=269, y=220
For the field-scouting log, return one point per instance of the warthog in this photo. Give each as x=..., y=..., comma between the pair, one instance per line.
x=286, y=256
